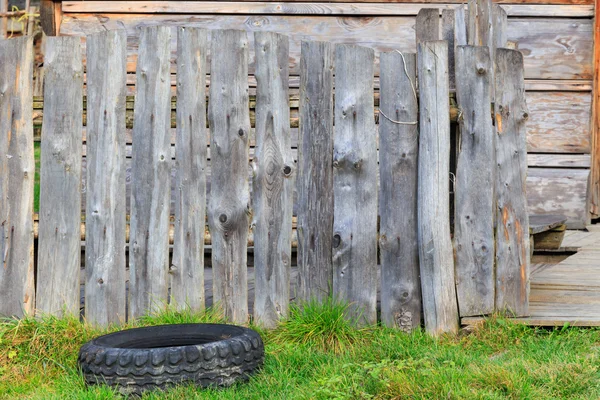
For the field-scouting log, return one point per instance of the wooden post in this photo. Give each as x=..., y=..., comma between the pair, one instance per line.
x=229, y=202
x=398, y=157
x=355, y=184
x=315, y=172
x=472, y=23
x=3, y=19
x=474, y=196
x=427, y=25
x=105, y=205
x=17, y=170
x=484, y=23
x=435, y=247
x=187, y=269
x=59, y=247
x=448, y=34
x=151, y=175
x=273, y=180
x=594, y=184
x=512, y=229
x=460, y=26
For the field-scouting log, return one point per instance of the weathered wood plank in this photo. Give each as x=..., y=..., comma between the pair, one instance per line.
x=460, y=27
x=105, y=204
x=449, y=34
x=187, y=268
x=474, y=196
x=484, y=24
x=472, y=23
x=3, y=19
x=17, y=170
x=512, y=228
x=398, y=155
x=273, y=181
x=427, y=25
x=544, y=222
x=594, y=190
x=499, y=25
x=151, y=173
x=315, y=172
x=60, y=176
x=355, y=184
x=229, y=202
x=559, y=160
x=435, y=247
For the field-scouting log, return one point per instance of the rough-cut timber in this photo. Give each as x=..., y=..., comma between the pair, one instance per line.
x=427, y=25
x=355, y=184
x=229, y=202
x=105, y=205
x=460, y=26
x=435, y=247
x=594, y=190
x=151, y=175
x=448, y=34
x=398, y=157
x=472, y=23
x=474, y=195
x=59, y=248
x=187, y=267
x=17, y=170
x=315, y=173
x=273, y=185
x=512, y=229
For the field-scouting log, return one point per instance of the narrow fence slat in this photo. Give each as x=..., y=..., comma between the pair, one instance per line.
x=105, y=206
x=355, y=184
x=315, y=172
x=427, y=25
x=273, y=188
x=151, y=175
x=59, y=247
x=187, y=270
x=398, y=158
x=448, y=34
x=435, y=247
x=472, y=23
x=474, y=196
x=17, y=171
x=229, y=200
x=460, y=26
x=512, y=228
x=484, y=23
x=499, y=26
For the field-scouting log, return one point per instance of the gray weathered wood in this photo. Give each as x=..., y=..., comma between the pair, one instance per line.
x=484, y=23
x=229, y=202
x=435, y=247
x=17, y=170
x=512, y=229
x=187, y=269
x=398, y=155
x=499, y=26
x=151, y=174
x=460, y=26
x=315, y=173
x=105, y=206
x=448, y=34
x=542, y=223
x=355, y=184
x=59, y=252
x=273, y=186
x=474, y=195
x=472, y=23
x=427, y=25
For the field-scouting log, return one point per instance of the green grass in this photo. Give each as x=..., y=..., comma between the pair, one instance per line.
x=316, y=354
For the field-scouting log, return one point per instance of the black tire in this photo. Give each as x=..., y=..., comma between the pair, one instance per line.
x=137, y=360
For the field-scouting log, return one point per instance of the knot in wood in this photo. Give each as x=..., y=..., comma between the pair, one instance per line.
x=241, y=132
x=222, y=218
x=287, y=170
x=481, y=70
x=337, y=239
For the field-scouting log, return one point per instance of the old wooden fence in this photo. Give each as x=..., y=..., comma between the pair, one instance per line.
x=362, y=178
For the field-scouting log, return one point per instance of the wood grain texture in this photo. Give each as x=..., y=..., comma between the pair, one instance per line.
x=151, y=174
x=187, y=266
x=59, y=250
x=460, y=26
x=559, y=160
x=229, y=202
x=17, y=170
x=448, y=34
x=472, y=22
x=435, y=247
x=594, y=191
x=398, y=158
x=512, y=228
x=105, y=204
x=3, y=19
x=315, y=172
x=474, y=196
x=355, y=185
x=427, y=25
x=273, y=181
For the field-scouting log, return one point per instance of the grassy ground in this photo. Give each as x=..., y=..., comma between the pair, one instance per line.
x=317, y=355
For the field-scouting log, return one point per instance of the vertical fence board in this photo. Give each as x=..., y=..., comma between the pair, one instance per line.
x=398, y=157
x=448, y=34
x=460, y=27
x=273, y=180
x=105, y=205
x=472, y=23
x=4, y=19
x=512, y=228
x=315, y=173
x=474, y=196
x=59, y=248
x=484, y=23
x=229, y=202
x=435, y=247
x=151, y=175
x=499, y=26
x=187, y=269
x=427, y=25
x=355, y=184
x=17, y=170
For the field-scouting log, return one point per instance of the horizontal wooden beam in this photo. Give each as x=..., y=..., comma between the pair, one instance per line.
x=312, y=8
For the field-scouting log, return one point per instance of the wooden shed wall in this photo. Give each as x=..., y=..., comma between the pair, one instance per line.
x=556, y=38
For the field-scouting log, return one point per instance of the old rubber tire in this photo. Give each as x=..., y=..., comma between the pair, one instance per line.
x=136, y=360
